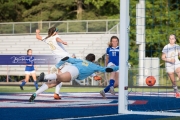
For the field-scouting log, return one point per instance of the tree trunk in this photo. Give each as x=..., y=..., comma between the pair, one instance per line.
x=79, y=9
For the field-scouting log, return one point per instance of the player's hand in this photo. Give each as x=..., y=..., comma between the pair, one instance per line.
x=172, y=61
x=97, y=78
x=37, y=31
x=65, y=43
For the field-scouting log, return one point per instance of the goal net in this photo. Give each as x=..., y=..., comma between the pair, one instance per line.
x=147, y=25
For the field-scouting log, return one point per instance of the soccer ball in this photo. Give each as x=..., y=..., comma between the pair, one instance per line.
x=150, y=80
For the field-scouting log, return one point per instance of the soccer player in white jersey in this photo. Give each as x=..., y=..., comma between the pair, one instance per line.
x=112, y=59
x=56, y=45
x=170, y=54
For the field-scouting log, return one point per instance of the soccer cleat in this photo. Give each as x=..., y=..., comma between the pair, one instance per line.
x=103, y=94
x=112, y=90
x=56, y=96
x=41, y=77
x=33, y=96
x=177, y=95
x=21, y=87
x=175, y=90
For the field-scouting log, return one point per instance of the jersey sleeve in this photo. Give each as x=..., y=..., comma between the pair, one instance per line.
x=69, y=60
x=103, y=69
x=107, y=51
x=178, y=48
x=43, y=39
x=165, y=50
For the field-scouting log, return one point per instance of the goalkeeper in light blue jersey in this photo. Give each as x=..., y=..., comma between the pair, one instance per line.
x=80, y=69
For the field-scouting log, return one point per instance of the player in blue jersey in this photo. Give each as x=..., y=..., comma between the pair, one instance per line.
x=112, y=59
x=29, y=70
x=80, y=69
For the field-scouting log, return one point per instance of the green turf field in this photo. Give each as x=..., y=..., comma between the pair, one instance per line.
x=13, y=89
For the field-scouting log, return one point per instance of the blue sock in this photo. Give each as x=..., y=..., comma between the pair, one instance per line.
x=35, y=84
x=23, y=83
x=111, y=82
x=106, y=89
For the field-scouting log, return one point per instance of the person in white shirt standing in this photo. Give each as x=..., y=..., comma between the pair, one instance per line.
x=170, y=54
x=56, y=45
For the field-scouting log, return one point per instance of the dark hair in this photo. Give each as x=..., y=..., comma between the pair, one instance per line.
x=90, y=57
x=28, y=50
x=51, y=31
x=173, y=35
x=113, y=37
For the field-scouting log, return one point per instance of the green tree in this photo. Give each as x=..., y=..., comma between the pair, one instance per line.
x=161, y=21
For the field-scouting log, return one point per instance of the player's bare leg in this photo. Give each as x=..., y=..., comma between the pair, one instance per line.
x=44, y=87
x=58, y=87
x=55, y=80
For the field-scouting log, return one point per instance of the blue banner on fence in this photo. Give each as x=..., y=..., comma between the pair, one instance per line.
x=22, y=59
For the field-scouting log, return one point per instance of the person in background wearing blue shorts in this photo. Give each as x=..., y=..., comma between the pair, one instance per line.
x=29, y=70
x=112, y=59
x=80, y=69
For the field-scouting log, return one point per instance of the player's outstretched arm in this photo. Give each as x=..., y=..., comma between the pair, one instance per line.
x=38, y=35
x=61, y=41
x=69, y=60
x=106, y=69
x=112, y=69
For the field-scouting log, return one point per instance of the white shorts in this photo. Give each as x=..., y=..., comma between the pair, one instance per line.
x=65, y=67
x=172, y=68
x=72, y=70
x=111, y=65
x=30, y=72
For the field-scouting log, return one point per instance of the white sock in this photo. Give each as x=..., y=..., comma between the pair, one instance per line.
x=41, y=89
x=51, y=76
x=58, y=87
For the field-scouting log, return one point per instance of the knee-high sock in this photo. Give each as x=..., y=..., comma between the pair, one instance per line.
x=23, y=83
x=107, y=88
x=58, y=87
x=41, y=89
x=111, y=82
x=36, y=84
x=51, y=76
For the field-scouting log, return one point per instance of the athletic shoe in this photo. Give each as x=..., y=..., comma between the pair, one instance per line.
x=175, y=90
x=103, y=94
x=41, y=77
x=21, y=87
x=56, y=96
x=112, y=90
x=33, y=96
